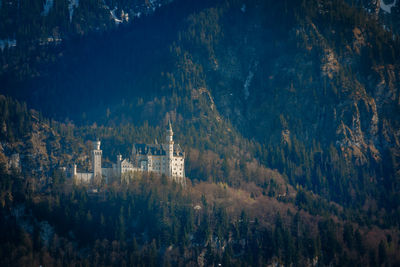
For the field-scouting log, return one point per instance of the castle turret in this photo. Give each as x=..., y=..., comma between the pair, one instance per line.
x=96, y=158
x=73, y=170
x=170, y=151
x=170, y=134
x=96, y=145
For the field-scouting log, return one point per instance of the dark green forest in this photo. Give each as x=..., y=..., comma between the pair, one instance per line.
x=288, y=112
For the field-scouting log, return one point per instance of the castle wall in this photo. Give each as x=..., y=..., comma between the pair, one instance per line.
x=108, y=172
x=157, y=164
x=160, y=164
x=85, y=177
x=178, y=167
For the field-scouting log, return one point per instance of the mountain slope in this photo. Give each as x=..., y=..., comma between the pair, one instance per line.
x=317, y=92
x=292, y=104
x=151, y=220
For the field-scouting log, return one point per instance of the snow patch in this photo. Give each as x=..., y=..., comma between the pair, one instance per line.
x=136, y=11
x=50, y=40
x=247, y=84
x=124, y=16
x=387, y=8
x=243, y=8
x=46, y=7
x=7, y=43
x=112, y=12
x=71, y=6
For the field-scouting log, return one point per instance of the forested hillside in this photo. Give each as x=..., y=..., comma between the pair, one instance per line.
x=288, y=112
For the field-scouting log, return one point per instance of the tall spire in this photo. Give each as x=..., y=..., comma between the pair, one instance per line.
x=170, y=133
x=169, y=125
x=170, y=151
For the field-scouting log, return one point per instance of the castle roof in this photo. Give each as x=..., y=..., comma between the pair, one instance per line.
x=156, y=149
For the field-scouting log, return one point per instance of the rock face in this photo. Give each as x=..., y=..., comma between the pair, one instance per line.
x=371, y=6
x=306, y=84
x=374, y=6
x=387, y=11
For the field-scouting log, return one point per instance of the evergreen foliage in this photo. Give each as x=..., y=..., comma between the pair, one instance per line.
x=287, y=112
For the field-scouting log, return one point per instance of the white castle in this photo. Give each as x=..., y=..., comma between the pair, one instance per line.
x=167, y=159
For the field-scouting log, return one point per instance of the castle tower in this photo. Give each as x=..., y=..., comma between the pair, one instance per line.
x=96, y=157
x=170, y=151
x=73, y=173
